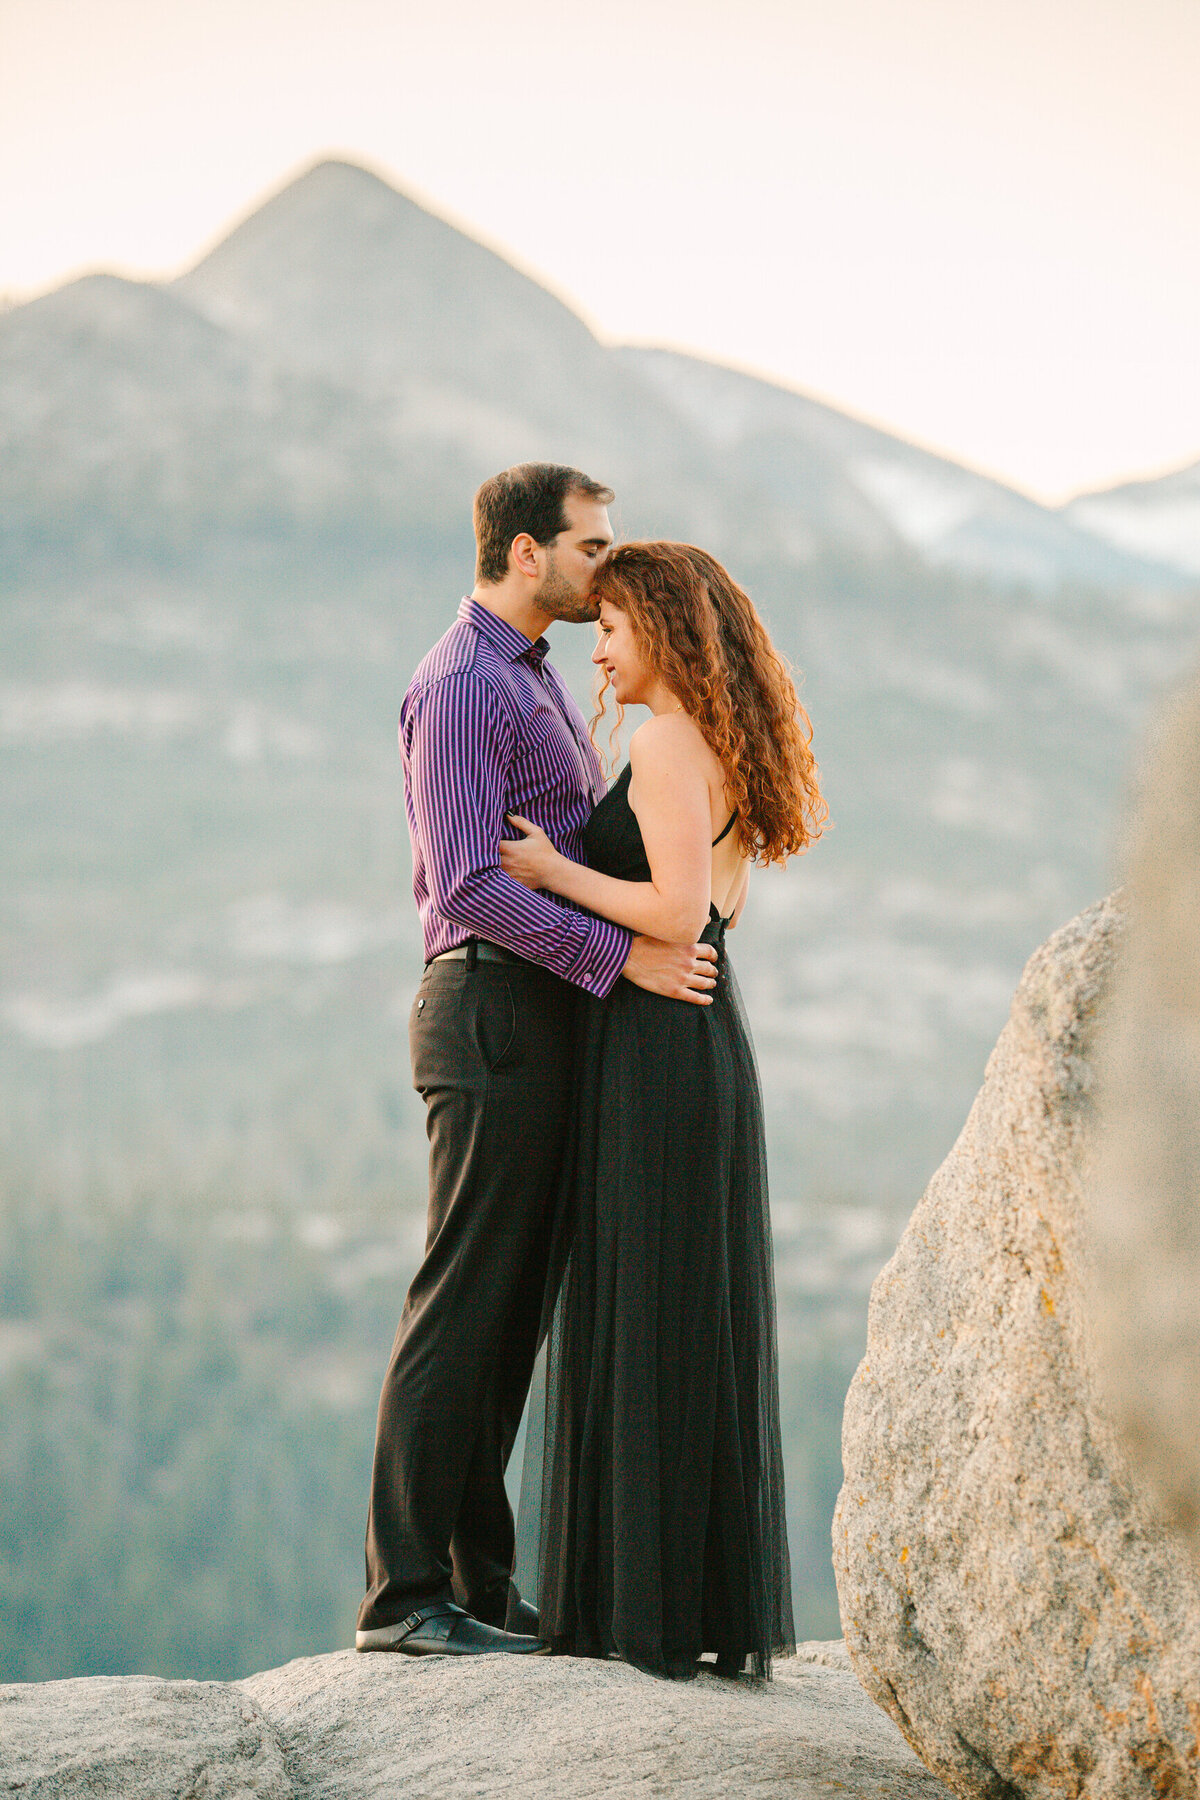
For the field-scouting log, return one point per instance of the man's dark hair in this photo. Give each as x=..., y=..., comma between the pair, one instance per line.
x=530, y=497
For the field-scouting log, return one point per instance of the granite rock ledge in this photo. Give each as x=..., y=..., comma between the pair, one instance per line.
x=347, y=1727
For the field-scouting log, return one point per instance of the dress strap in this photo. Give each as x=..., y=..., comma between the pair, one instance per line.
x=725, y=830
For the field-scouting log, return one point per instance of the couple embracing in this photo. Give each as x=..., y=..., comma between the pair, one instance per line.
x=597, y=1168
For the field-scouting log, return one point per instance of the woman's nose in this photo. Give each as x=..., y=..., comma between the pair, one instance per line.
x=598, y=654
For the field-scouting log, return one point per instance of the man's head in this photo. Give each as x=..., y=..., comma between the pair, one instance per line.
x=546, y=528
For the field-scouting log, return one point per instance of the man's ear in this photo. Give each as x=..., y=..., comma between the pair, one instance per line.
x=523, y=551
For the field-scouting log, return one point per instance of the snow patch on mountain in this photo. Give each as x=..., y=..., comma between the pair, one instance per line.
x=924, y=504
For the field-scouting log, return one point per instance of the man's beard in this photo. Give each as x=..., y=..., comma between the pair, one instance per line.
x=560, y=600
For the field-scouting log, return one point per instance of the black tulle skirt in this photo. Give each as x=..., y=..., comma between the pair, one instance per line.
x=653, y=1504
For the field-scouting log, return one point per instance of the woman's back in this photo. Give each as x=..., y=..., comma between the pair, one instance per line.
x=680, y=735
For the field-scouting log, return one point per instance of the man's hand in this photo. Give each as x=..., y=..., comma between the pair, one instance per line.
x=680, y=971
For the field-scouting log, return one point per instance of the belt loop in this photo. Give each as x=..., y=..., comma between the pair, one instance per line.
x=472, y=952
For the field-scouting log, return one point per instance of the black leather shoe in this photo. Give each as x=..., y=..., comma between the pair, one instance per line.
x=522, y=1617
x=443, y=1629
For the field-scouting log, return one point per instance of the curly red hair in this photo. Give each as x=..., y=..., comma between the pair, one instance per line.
x=699, y=632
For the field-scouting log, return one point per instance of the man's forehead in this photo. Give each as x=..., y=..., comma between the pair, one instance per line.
x=587, y=519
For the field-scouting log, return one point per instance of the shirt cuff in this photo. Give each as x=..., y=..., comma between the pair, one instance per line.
x=602, y=957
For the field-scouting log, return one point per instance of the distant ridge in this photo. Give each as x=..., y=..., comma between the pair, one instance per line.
x=130, y=422
x=787, y=442
x=346, y=362
x=1158, y=519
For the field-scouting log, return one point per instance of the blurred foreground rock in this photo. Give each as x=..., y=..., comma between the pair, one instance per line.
x=1145, y=1200
x=347, y=1727
x=1005, y=1595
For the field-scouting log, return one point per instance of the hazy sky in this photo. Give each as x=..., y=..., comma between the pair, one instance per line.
x=977, y=223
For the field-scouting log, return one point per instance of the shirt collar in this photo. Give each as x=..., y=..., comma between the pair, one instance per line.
x=510, y=642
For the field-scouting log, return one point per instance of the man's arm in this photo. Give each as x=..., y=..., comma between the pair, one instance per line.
x=459, y=743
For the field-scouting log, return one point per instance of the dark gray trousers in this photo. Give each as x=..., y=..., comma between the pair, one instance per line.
x=492, y=1056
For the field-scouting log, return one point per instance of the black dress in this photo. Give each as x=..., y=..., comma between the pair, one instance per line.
x=661, y=1533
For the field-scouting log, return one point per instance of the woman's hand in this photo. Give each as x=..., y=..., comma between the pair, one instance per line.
x=530, y=859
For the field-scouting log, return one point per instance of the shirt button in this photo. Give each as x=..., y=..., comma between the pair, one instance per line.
x=420, y=1004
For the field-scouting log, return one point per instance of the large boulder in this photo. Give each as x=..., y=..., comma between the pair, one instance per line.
x=347, y=1727
x=1007, y=1596
x=1145, y=1200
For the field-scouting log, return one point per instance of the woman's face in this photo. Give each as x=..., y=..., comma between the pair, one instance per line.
x=617, y=651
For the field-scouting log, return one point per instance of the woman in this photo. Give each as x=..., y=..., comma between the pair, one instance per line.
x=662, y=1520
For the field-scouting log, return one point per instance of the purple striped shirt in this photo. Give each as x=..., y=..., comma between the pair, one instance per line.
x=488, y=727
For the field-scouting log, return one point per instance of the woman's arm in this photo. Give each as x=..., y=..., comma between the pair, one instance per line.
x=674, y=812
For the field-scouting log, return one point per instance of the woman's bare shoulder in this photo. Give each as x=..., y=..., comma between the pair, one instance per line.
x=670, y=738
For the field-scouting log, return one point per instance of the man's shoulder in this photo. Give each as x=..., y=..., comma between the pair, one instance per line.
x=462, y=652
x=461, y=659
x=453, y=654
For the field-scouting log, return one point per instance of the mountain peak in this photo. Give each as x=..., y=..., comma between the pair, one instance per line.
x=336, y=214
x=340, y=233
x=343, y=275
x=329, y=191
x=340, y=171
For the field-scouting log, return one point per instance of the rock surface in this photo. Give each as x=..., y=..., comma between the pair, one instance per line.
x=1145, y=1200
x=347, y=1727
x=1006, y=1597
x=373, y=1728
x=130, y=1737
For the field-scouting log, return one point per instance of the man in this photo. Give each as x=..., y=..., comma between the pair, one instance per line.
x=487, y=727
